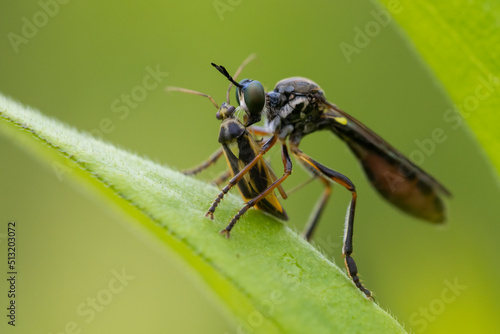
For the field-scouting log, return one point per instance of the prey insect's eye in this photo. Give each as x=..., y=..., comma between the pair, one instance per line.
x=225, y=111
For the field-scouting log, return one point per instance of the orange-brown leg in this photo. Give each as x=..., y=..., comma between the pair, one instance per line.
x=287, y=163
x=263, y=150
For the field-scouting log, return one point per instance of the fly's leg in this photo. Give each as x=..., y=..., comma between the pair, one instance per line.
x=274, y=178
x=287, y=163
x=301, y=185
x=263, y=150
x=259, y=131
x=343, y=180
x=318, y=210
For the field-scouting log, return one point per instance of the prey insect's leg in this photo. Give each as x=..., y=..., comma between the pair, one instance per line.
x=318, y=210
x=221, y=178
x=263, y=150
x=287, y=163
x=205, y=164
x=343, y=180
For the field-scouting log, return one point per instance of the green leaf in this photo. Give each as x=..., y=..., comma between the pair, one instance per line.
x=459, y=40
x=270, y=278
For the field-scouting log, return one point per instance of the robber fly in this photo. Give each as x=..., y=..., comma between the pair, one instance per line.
x=253, y=176
x=297, y=107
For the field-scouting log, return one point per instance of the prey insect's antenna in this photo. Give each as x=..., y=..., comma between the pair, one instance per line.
x=245, y=63
x=238, y=71
x=189, y=91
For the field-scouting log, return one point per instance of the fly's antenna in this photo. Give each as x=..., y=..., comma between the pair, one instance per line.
x=224, y=72
x=189, y=91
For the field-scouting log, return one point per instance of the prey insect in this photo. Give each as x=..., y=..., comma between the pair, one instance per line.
x=252, y=175
x=297, y=107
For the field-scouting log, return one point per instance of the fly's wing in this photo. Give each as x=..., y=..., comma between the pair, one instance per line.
x=395, y=177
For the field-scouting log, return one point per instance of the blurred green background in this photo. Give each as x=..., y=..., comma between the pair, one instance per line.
x=82, y=61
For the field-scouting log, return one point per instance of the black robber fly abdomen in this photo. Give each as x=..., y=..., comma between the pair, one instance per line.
x=396, y=178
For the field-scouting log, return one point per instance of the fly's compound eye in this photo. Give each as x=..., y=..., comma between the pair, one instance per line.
x=254, y=98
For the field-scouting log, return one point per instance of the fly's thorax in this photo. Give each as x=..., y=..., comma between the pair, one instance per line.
x=295, y=105
x=298, y=85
